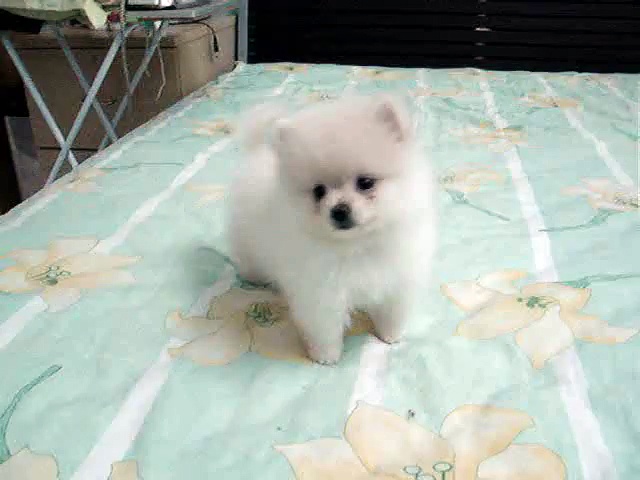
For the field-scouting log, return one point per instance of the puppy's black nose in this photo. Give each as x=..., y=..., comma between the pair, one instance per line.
x=341, y=216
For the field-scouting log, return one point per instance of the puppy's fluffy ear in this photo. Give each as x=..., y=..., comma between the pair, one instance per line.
x=284, y=139
x=256, y=123
x=392, y=114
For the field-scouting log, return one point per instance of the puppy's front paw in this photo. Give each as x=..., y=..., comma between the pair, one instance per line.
x=324, y=355
x=389, y=337
x=390, y=320
x=389, y=329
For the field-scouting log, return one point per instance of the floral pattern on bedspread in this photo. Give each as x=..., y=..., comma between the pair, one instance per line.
x=130, y=348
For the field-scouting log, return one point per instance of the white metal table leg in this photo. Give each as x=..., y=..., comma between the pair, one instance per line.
x=64, y=45
x=243, y=31
x=144, y=64
x=86, y=104
x=35, y=94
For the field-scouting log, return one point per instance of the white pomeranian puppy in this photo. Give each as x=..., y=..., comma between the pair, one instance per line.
x=334, y=207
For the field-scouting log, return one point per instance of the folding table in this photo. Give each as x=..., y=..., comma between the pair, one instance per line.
x=156, y=21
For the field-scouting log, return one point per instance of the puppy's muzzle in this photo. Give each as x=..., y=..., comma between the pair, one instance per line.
x=341, y=217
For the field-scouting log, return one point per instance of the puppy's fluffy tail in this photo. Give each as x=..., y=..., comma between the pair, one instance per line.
x=257, y=124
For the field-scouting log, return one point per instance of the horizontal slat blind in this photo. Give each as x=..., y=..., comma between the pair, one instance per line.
x=602, y=35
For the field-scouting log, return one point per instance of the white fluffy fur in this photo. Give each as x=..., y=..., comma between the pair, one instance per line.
x=279, y=233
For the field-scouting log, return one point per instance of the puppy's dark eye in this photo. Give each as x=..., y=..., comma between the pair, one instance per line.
x=319, y=191
x=365, y=183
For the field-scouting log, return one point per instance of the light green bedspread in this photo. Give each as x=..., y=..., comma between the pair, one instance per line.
x=525, y=364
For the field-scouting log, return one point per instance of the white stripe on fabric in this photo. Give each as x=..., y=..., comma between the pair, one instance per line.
x=12, y=327
x=352, y=84
x=149, y=207
x=618, y=93
x=47, y=196
x=119, y=436
x=127, y=423
x=374, y=359
x=601, y=147
x=595, y=458
x=372, y=373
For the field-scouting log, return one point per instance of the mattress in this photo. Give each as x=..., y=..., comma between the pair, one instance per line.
x=129, y=347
